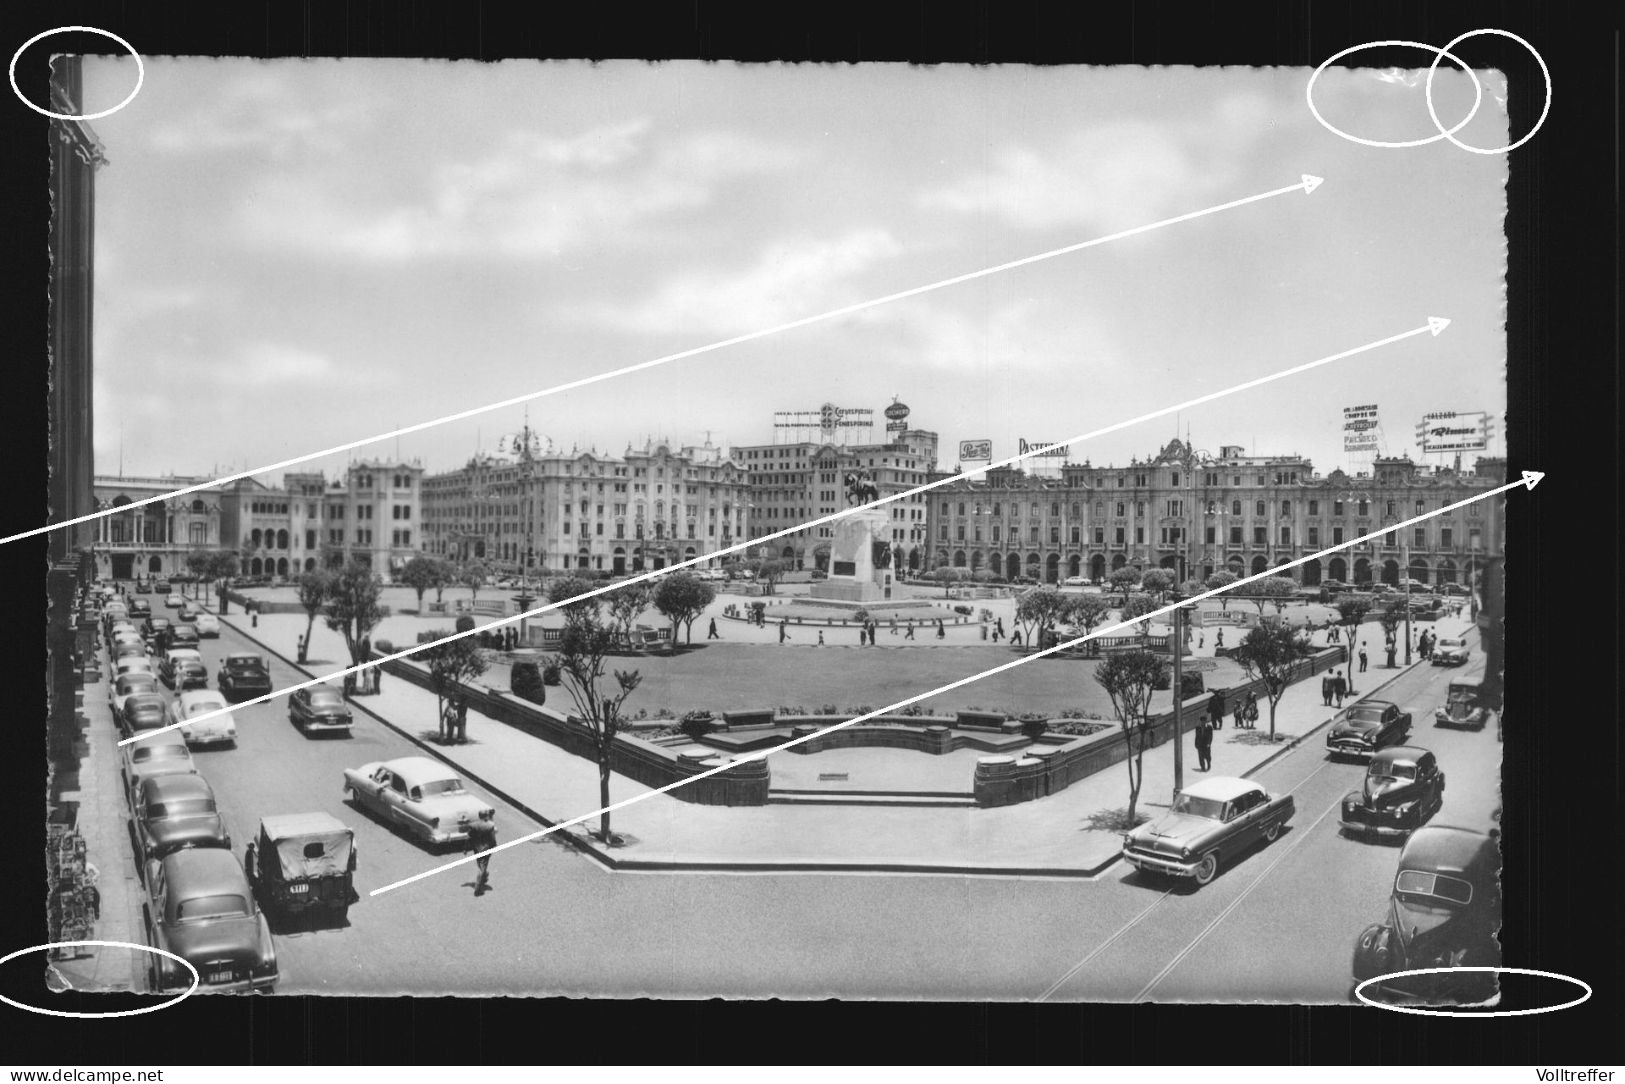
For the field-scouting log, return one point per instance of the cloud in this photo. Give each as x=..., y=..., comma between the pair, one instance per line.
x=792, y=279
x=1024, y=335
x=533, y=195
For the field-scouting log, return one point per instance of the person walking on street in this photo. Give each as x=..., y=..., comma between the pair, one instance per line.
x=482, y=839
x=1204, y=746
x=820, y=637
x=998, y=628
x=1219, y=640
x=1362, y=660
x=908, y=634
x=942, y=633
x=1340, y=687
x=1390, y=654
x=1252, y=711
x=1326, y=689
x=1215, y=710
x=894, y=626
x=783, y=633
x=712, y=635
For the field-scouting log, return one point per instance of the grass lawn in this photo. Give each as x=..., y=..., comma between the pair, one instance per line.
x=736, y=677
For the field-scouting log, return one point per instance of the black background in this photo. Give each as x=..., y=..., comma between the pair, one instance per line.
x=1563, y=840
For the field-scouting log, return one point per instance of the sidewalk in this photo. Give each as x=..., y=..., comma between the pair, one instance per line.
x=1068, y=834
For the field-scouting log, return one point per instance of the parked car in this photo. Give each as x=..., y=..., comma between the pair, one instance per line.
x=1074, y=581
x=1210, y=823
x=1367, y=727
x=160, y=587
x=301, y=861
x=174, y=602
x=422, y=796
x=157, y=632
x=142, y=587
x=187, y=613
x=183, y=668
x=207, y=625
x=203, y=911
x=1455, y=589
x=1444, y=912
x=140, y=607
x=1451, y=651
x=1462, y=707
x=243, y=674
x=1403, y=788
x=129, y=649
x=183, y=636
x=162, y=754
x=140, y=711
x=130, y=684
x=319, y=708
x=215, y=730
x=126, y=664
x=175, y=811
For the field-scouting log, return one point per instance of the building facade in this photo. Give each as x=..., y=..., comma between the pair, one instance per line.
x=1195, y=514
x=796, y=482
x=644, y=509
x=153, y=540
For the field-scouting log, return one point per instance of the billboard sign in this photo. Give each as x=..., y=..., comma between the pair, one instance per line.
x=1453, y=431
x=1054, y=453
x=1361, y=428
x=975, y=451
x=1360, y=442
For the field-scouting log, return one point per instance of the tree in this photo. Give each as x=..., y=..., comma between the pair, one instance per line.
x=450, y=665
x=1129, y=678
x=1122, y=579
x=445, y=574
x=1084, y=612
x=1276, y=589
x=947, y=575
x=768, y=572
x=420, y=574
x=1040, y=610
x=474, y=574
x=216, y=565
x=683, y=596
x=1138, y=605
x=626, y=605
x=1157, y=581
x=587, y=639
x=1393, y=615
x=1220, y=580
x=1351, y=610
x=313, y=588
x=352, y=608
x=1269, y=652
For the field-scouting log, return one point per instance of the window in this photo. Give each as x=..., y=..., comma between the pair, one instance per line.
x=1445, y=534
x=1100, y=536
x=1212, y=535
x=1119, y=538
x=1032, y=534
x=1258, y=508
x=959, y=532
x=1235, y=536
x=1390, y=540
x=1175, y=508
x=1175, y=478
x=1420, y=537
x=1286, y=508
x=1055, y=508
x=1286, y=535
x=995, y=532
x=1314, y=508
x=1337, y=508
x=1076, y=531
x=1314, y=536
x=1363, y=509
x=1235, y=508
x=1392, y=506
x=961, y=507
x=1475, y=539
x=1337, y=536
x=1139, y=536
x=1421, y=507
x=1055, y=535
x=943, y=533
x=1259, y=537
x=1121, y=508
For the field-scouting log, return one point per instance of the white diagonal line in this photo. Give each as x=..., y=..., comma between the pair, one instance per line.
x=958, y=683
x=1308, y=184
x=357, y=668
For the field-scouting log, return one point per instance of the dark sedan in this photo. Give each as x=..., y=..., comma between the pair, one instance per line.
x=1444, y=913
x=243, y=674
x=141, y=711
x=202, y=910
x=319, y=709
x=183, y=673
x=1403, y=788
x=1368, y=726
x=175, y=811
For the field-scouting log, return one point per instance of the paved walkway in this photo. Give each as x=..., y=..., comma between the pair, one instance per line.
x=1070, y=833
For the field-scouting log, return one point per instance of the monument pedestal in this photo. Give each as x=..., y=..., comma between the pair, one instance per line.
x=852, y=573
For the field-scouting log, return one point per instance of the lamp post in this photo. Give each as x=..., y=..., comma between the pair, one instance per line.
x=1178, y=646
x=1405, y=567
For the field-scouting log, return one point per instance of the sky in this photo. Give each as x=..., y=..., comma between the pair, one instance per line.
x=293, y=254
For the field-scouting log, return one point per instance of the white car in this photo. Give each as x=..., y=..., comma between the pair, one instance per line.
x=207, y=625
x=174, y=601
x=165, y=753
x=1451, y=651
x=133, y=663
x=422, y=796
x=1074, y=581
x=220, y=729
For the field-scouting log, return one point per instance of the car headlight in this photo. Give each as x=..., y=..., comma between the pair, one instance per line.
x=434, y=822
x=1184, y=852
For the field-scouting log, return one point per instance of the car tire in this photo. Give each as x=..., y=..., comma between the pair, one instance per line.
x=1273, y=832
x=1207, y=868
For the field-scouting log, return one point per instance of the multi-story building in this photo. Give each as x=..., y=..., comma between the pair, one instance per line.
x=152, y=539
x=800, y=481
x=646, y=508
x=1194, y=514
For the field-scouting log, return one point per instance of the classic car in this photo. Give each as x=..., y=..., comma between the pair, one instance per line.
x=1451, y=651
x=183, y=636
x=243, y=674
x=174, y=602
x=1462, y=707
x=175, y=811
x=301, y=861
x=129, y=649
x=1455, y=589
x=1367, y=727
x=1444, y=912
x=218, y=728
x=127, y=685
x=140, y=711
x=164, y=753
x=187, y=613
x=423, y=796
x=128, y=664
x=183, y=668
x=161, y=587
x=140, y=607
x=158, y=632
x=319, y=708
x=203, y=911
x=142, y=587
x=1403, y=788
x=1209, y=823
x=207, y=625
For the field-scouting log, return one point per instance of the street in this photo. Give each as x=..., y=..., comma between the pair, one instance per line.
x=1277, y=925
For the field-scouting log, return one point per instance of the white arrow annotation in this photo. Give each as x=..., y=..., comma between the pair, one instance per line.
x=939, y=690
x=1307, y=184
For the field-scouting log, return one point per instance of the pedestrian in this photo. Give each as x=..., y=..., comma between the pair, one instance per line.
x=942, y=633
x=894, y=626
x=1340, y=687
x=1204, y=745
x=1252, y=711
x=1362, y=660
x=377, y=679
x=998, y=628
x=1201, y=640
x=1326, y=686
x=1015, y=638
x=908, y=634
x=984, y=632
x=995, y=635
x=1215, y=710
x=820, y=637
x=1218, y=641
x=783, y=634
x=254, y=614
x=1390, y=654
x=482, y=839
x=712, y=635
